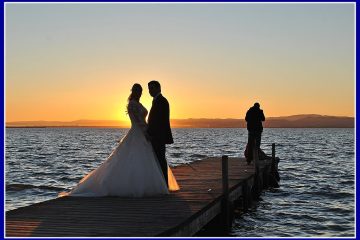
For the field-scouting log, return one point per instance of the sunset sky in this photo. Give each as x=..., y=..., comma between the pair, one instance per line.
x=78, y=61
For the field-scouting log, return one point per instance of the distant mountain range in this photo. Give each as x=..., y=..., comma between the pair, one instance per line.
x=295, y=121
x=77, y=123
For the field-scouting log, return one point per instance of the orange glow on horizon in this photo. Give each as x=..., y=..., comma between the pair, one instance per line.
x=71, y=66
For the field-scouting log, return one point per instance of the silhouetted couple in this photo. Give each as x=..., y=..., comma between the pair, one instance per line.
x=254, y=118
x=137, y=167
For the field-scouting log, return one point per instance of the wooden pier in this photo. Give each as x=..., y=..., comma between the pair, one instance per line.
x=209, y=190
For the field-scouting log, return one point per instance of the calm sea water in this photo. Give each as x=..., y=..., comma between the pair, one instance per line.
x=316, y=197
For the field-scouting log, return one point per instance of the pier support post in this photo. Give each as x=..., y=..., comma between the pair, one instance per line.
x=273, y=152
x=274, y=176
x=225, y=212
x=246, y=196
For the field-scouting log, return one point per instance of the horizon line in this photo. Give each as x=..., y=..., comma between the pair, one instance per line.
x=189, y=118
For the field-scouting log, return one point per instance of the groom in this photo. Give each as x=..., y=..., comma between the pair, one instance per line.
x=159, y=125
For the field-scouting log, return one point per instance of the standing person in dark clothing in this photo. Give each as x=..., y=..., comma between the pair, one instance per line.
x=254, y=118
x=159, y=125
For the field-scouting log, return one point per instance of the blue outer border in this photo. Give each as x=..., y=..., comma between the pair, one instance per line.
x=3, y=118
x=356, y=123
x=3, y=102
x=264, y=1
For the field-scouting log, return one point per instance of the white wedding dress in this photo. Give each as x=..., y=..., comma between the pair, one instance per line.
x=131, y=170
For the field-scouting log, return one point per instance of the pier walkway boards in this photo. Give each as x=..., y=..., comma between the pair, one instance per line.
x=201, y=199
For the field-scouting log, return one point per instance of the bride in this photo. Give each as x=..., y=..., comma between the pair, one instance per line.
x=132, y=169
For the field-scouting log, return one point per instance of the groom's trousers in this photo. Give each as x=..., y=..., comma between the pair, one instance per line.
x=160, y=150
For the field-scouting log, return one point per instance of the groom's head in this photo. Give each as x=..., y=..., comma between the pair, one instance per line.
x=154, y=88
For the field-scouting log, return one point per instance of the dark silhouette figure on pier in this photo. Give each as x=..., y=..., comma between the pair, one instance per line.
x=159, y=129
x=254, y=118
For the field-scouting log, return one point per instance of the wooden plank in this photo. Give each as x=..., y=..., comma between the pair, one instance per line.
x=181, y=213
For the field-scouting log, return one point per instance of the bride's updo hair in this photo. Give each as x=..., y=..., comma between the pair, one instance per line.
x=136, y=91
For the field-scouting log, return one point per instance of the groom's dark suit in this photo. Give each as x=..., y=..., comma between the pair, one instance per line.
x=159, y=130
